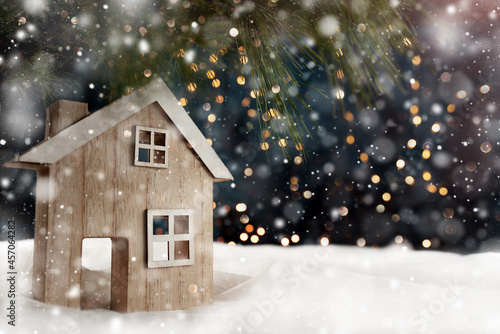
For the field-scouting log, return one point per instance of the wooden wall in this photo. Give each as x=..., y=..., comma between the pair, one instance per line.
x=98, y=192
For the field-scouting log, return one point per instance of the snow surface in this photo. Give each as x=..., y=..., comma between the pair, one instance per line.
x=304, y=289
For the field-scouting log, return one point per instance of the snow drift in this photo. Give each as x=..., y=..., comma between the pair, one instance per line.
x=304, y=289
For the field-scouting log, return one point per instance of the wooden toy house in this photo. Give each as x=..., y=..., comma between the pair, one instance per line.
x=139, y=172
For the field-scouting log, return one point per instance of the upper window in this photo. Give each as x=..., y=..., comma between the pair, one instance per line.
x=150, y=147
x=170, y=238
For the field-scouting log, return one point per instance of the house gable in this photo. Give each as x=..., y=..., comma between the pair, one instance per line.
x=73, y=137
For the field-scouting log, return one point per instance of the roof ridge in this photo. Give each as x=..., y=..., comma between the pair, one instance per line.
x=76, y=135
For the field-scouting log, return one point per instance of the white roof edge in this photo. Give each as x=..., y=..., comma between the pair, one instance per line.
x=66, y=141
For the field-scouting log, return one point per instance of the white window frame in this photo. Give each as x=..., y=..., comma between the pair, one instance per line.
x=170, y=238
x=151, y=147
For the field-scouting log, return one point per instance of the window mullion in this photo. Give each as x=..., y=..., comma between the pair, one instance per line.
x=171, y=250
x=145, y=146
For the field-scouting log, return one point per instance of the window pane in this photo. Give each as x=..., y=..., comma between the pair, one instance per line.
x=181, y=250
x=143, y=155
x=160, y=251
x=159, y=157
x=181, y=224
x=160, y=225
x=145, y=137
x=159, y=139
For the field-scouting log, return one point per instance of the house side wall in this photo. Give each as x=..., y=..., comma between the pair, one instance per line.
x=64, y=231
x=40, y=242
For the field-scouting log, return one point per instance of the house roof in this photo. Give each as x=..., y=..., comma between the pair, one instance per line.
x=66, y=141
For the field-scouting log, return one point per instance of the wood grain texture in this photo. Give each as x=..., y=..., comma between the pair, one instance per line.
x=100, y=187
x=119, y=274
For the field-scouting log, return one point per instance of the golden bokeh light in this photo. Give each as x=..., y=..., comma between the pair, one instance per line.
x=361, y=242
x=411, y=143
x=436, y=127
x=241, y=207
x=432, y=188
x=400, y=164
x=183, y=101
x=240, y=80
x=461, y=94
x=325, y=241
x=349, y=116
x=245, y=102
x=443, y=191
x=191, y=87
x=410, y=180
x=211, y=74
x=248, y=171
x=213, y=58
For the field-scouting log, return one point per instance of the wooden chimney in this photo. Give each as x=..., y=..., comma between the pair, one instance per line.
x=62, y=114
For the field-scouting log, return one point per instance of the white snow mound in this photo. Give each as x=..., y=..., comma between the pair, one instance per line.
x=304, y=289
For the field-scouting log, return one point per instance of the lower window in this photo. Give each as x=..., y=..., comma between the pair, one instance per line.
x=170, y=238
